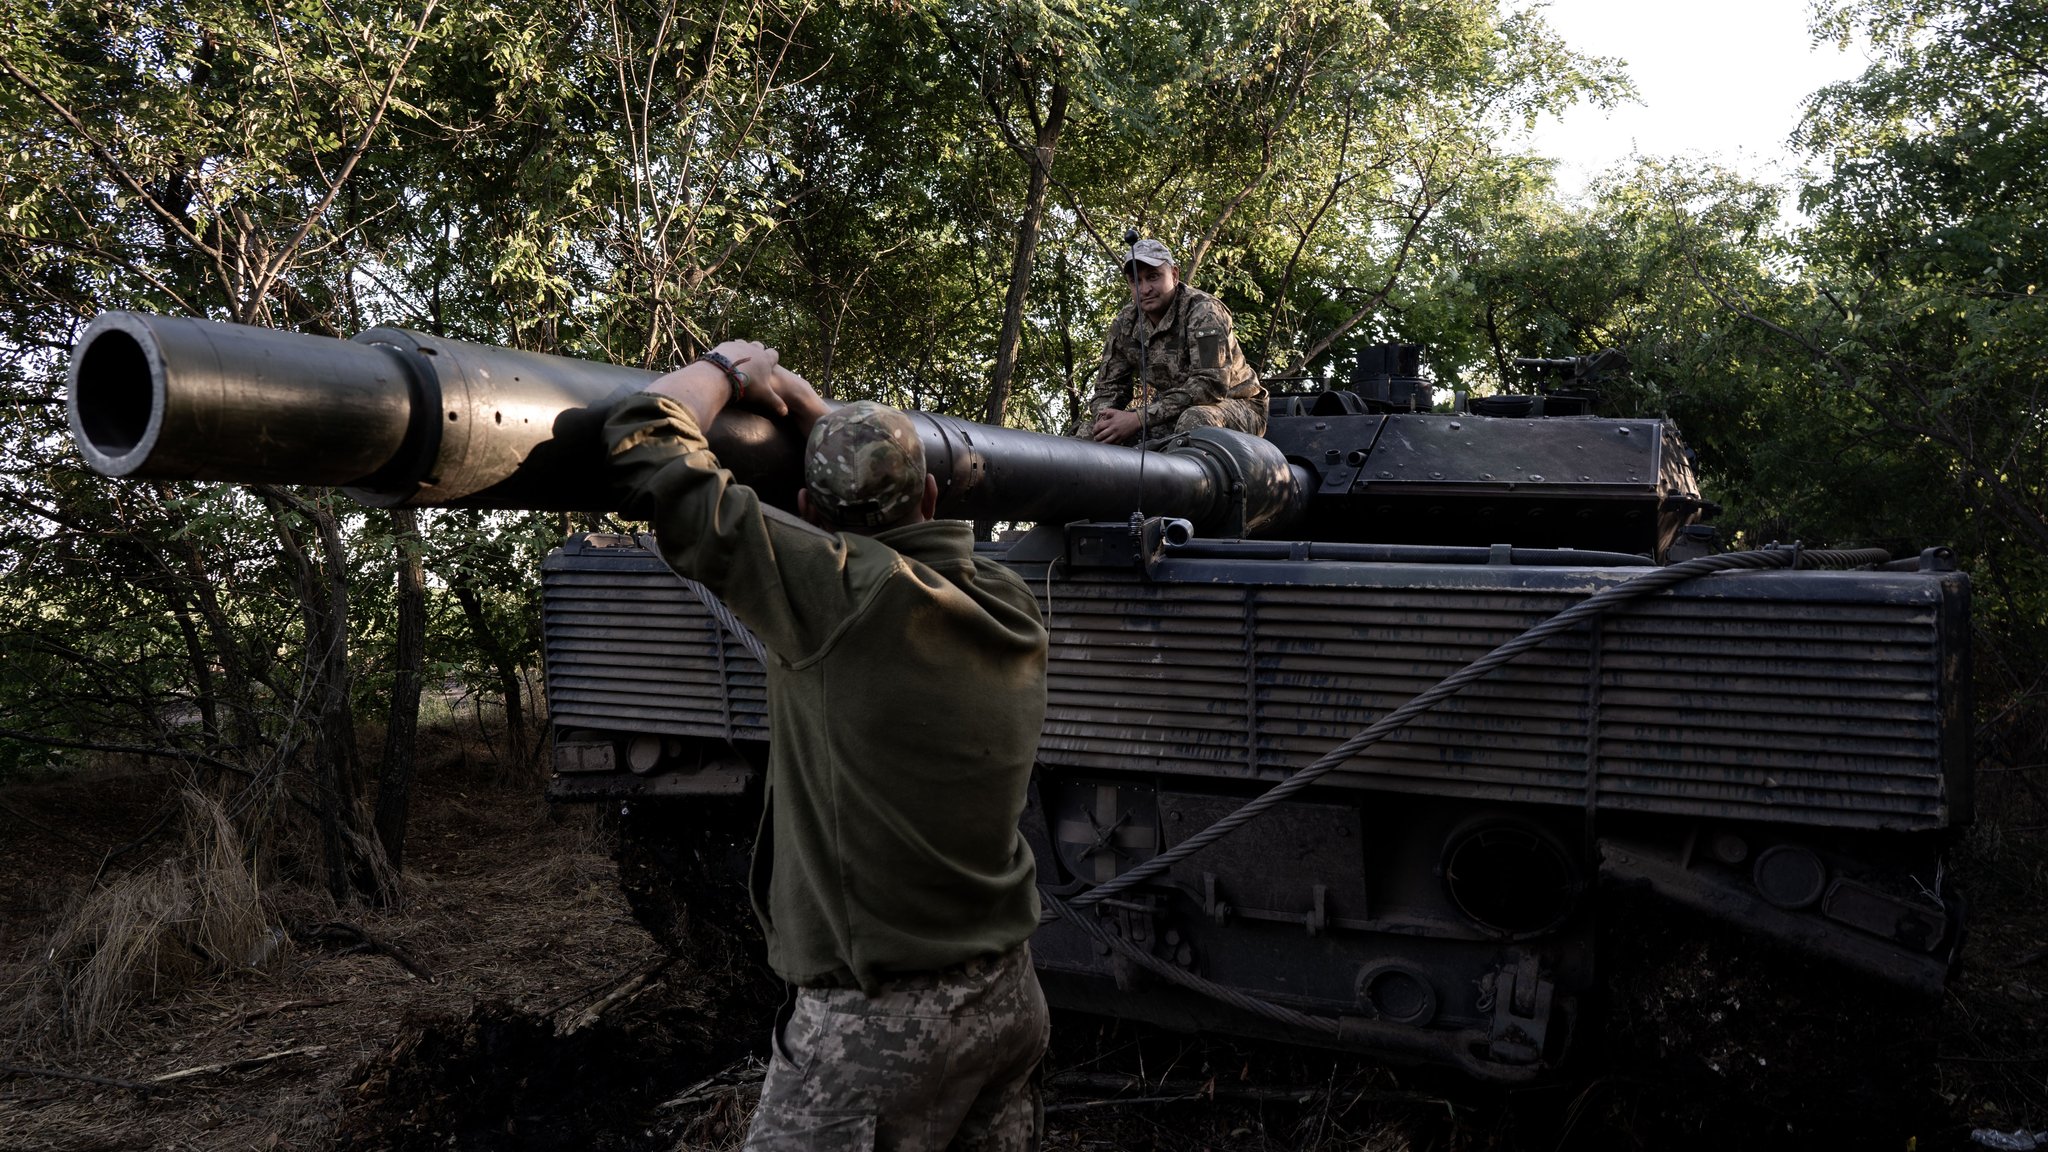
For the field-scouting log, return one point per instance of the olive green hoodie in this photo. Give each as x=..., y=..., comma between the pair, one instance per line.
x=906, y=690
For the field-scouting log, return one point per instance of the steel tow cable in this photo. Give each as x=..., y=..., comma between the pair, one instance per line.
x=1598, y=604
x=724, y=616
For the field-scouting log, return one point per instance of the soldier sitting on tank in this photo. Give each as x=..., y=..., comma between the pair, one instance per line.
x=906, y=690
x=1197, y=376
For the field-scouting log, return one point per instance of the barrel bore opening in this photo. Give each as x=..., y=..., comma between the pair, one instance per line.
x=115, y=397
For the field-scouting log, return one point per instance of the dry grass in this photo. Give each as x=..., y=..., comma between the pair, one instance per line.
x=120, y=945
x=505, y=902
x=147, y=934
x=229, y=927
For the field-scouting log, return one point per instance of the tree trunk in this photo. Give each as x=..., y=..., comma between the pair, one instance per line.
x=241, y=664
x=336, y=759
x=503, y=665
x=348, y=848
x=1010, y=339
x=201, y=664
x=394, y=779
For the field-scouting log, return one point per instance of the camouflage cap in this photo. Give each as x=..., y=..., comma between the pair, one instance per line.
x=1149, y=251
x=864, y=465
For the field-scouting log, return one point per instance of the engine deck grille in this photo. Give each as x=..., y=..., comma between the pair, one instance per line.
x=1785, y=697
x=629, y=650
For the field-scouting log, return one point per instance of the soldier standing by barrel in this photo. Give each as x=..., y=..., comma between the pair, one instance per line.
x=906, y=690
x=1197, y=374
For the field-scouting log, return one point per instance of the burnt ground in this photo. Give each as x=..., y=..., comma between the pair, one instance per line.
x=550, y=1022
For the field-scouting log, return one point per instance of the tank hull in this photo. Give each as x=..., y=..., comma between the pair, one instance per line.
x=1723, y=745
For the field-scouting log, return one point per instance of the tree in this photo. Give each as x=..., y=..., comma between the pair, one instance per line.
x=201, y=159
x=1918, y=327
x=915, y=201
x=1928, y=250
x=408, y=660
x=1511, y=271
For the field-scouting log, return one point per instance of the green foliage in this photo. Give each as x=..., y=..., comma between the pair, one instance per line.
x=1921, y=311
x=1921, y=319
x=1512, y=272
x=629, y=181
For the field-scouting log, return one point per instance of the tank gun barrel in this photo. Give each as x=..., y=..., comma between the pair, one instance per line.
x=405, y=419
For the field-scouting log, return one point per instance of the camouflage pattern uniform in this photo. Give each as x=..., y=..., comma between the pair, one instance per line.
x=943, y=1061
x=906, y=694
x=1199, y=376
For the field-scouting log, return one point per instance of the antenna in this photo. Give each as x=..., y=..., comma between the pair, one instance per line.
x=1144, y=383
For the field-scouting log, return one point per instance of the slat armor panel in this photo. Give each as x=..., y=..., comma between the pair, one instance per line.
x=1789, y=697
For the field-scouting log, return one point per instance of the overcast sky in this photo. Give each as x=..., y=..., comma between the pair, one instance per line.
x=1723, y=79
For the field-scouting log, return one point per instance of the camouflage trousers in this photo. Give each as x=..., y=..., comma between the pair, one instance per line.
x=942, y=1061
x=1248, y=416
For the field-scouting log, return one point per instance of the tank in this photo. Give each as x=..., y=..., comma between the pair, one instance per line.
x=1782, y=746
x=1353, y=730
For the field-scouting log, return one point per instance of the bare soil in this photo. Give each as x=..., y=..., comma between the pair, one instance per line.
x=553, y=1020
